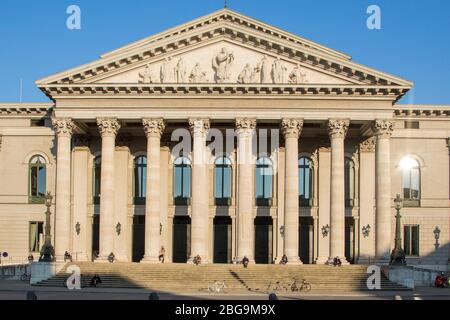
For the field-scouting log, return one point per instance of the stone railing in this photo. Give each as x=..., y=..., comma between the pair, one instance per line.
x=14, y=271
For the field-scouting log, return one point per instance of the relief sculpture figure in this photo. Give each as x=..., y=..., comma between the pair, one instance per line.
x=221, y=64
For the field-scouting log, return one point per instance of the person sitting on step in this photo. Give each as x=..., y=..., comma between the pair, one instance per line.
x=162, y=253
x=95, y=280
x=197, y=260
x=337, y=262
x=67, y=256
x=245, y=261
x=284, y=259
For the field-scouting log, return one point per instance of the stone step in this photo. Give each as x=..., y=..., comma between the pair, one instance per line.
x=184, y=277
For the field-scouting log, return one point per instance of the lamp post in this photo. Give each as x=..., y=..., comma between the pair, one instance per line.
x=398, y=255
x=47, y=251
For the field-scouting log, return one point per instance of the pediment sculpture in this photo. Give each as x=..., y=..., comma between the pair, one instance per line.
x=221, y=64
x=146, y=75
x=267, y=71
x=197, y=75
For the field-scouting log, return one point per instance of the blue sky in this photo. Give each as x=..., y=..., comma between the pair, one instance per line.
x=414, y=41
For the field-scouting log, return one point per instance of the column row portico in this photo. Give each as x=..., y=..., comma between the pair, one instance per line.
x=245, y=210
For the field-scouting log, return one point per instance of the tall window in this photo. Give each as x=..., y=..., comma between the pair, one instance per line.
x=37, y=179
x=222, y=181
x=410, y=181
x=305, y=182
x=349, y=183
x=140, y=179
x=36, y=236
x=264, y=174
x=97, y=179
x=411, y=240
x=182, y=181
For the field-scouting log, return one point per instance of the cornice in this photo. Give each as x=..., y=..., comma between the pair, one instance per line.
x=233, y=90
x=26, y=109
x=422, y=111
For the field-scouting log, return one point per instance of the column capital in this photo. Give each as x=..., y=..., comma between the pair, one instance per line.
x=245, y=124
x=383, y=128
x=292, y=128
x=63, y=127
x=367, y=145
x=153, y=127
x=337, y=128
x=108, y=126
x=199, y=125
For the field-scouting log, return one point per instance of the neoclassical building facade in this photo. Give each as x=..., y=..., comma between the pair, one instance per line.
x=225, y=137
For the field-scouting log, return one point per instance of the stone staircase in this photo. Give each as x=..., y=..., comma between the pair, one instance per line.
x=184, y=278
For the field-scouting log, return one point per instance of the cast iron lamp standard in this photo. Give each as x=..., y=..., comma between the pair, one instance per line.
x=398, y=255
x=47, y=251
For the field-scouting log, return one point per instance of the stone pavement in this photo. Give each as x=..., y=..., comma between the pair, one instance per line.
x=16, y=290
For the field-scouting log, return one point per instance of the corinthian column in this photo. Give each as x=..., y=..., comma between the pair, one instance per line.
x=337, y=130
x=292, y=129
x=245, y=157
x=108, y=129
x=153, y=129
x=200, y=207
x=383, y=131
x=63, y=129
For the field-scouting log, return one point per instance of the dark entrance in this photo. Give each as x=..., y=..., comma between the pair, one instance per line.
x=181, y=239
x=350, y=239
x=306, y=245
x=138, y=238
x=222, y=240
x=263, y=240
x=95, y=235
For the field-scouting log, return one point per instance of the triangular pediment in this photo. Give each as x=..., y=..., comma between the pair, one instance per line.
x=224, y=48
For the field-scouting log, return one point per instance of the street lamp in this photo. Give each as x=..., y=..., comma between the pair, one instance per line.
x=398, y=255
x=47, y=251
x=437, y=233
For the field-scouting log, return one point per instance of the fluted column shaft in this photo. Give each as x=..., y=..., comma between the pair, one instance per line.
x=64, y=129
x=383, y=131
x=108, y=129
x=200, y=206
x=337, y=130
x=245, y=158
x=291, y=130
x=153, y=130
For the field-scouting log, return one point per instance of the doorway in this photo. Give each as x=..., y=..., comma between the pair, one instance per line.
x=263, y=240
x=138, y=238
x=181, y=239
x=222, y=240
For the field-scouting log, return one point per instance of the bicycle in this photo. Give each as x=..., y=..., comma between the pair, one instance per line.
x=217, y=287
x=305, y=286
x=25, y=277
x=274, y=287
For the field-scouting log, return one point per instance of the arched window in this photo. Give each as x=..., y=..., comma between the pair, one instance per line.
x=305, y=182
x=37, y=179
x=140, y=179
x=411, y=181
x=264, y=174
x=222, y=181
x=349, y=183
x=97, y=174
x=182, y=181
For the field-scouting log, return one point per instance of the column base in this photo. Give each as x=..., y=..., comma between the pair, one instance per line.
x=321, y=260
x=204, y=260
x=149, y=259
x=294, y=261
